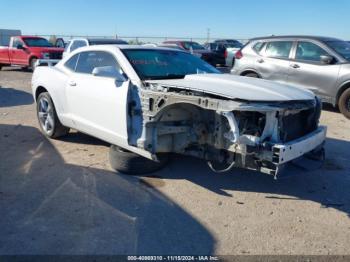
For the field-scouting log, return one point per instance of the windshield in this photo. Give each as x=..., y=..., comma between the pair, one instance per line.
x=194, y=45
x=341, y=47
x=166, y=64
x=37, y=42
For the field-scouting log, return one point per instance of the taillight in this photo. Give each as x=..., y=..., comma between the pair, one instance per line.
x=225, y=54
x=238, y=54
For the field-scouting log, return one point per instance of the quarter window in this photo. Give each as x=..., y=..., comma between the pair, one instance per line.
x=309, y=52
x=258, y=47
x=90, y=60
x=278, y=49
x=72, y=62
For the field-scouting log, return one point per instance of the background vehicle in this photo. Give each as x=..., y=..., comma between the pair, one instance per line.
x=26, y=50
x=197, y=50
x=154, y=101
x=225, y=49
x=6, y=34
x=320, y=64
x=75, y=43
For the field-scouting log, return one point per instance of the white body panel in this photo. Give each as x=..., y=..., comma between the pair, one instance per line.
x=236, y=87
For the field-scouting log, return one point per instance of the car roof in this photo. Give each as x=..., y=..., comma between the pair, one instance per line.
x=319, y=38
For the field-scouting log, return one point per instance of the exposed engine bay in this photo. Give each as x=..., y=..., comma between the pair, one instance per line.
x=227, y=133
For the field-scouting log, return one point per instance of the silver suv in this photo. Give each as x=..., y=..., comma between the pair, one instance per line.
x=320, y=64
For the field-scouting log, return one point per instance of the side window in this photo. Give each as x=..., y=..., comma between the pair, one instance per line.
x=16, y=42
x=257, y=47
x=76, y=44
x=278, y=49
x=309, y=52
x=89, y=60
x=72, y=62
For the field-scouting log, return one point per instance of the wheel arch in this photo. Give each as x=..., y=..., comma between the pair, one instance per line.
x=344, y=86
x=39, y=90
x=247, y=71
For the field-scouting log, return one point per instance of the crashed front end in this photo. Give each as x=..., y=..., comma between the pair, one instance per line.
x=255, y=135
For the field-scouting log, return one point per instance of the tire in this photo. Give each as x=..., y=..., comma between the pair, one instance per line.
x=49, y=123
x=132, y=164
x=0, y=67
x=32, y=63
x=344, y=103
x=254, y=75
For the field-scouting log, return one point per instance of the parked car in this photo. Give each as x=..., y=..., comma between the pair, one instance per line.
x=320, y=64
x=197, y=50
x=75, y=43
x=149, y=101
x=225, y=49
x=26, y=50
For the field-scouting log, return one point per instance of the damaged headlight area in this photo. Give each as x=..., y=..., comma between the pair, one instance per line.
x=260, y=136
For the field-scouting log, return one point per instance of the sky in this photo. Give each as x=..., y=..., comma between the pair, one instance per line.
x=177, y=18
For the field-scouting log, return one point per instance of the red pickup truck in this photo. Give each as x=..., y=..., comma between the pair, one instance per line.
x=26, y=50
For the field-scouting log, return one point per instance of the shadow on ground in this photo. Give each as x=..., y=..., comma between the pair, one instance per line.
x=51, y=207
x=327, y=185
x=13, y=97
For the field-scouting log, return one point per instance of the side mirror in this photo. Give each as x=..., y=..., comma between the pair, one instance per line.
x=326, y=59
x=109, y=71
x=20, y=46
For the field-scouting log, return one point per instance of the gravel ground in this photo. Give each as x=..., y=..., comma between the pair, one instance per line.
x=61, y=196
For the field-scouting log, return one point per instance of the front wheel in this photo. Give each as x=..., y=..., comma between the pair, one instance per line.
x=130, y=163
x=344, y=103
x=49, y=123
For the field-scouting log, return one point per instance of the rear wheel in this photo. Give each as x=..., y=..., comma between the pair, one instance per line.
x=49, y=123
x=254, y=75
x=130, y=163
x=0, y=67
x=344, y=103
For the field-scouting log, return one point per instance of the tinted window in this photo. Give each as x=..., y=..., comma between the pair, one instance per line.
x=37, y=42
x=164, y=64
x=341, y=47
x=278, y=49
x=76, y=44
x=89, y=60
x=72, y=62
x=309, y=52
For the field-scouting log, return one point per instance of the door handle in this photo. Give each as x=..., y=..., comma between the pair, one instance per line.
x=295, y=65
x=260, y=61
x=72, y=83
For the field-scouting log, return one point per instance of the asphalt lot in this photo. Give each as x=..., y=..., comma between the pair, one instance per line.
x=61, y=196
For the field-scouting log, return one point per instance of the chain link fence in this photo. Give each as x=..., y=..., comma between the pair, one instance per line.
x=142, y=39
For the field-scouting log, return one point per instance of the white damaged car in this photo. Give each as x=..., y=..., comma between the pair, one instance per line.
x=148, y=102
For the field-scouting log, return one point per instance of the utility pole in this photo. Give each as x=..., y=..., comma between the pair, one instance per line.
x=208, y=35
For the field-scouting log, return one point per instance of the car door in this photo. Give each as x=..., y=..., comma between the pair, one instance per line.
x=97, y=104
x=308, y=71
x=273, y=64
x=18, y=55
